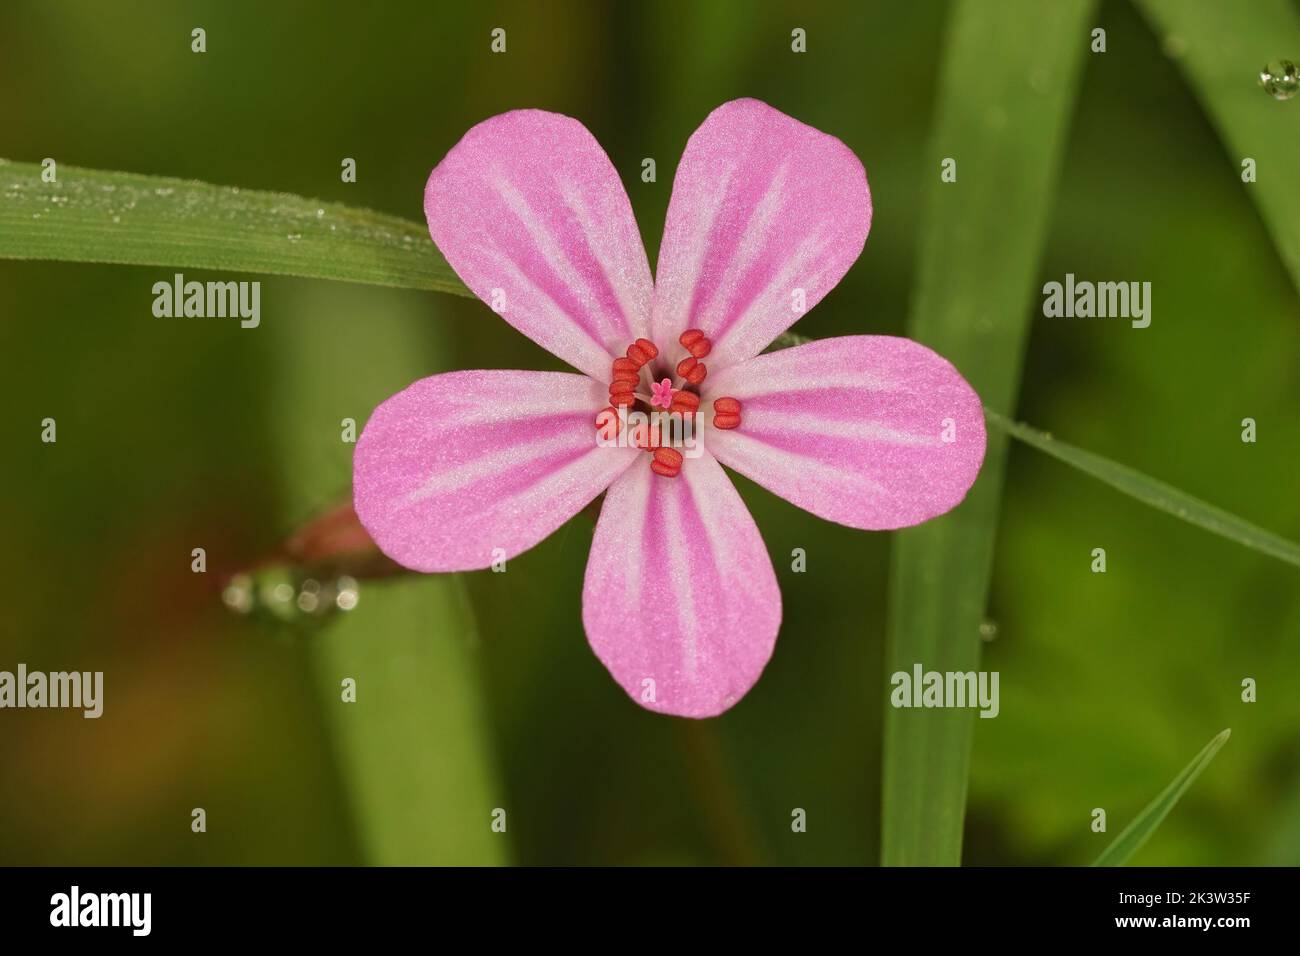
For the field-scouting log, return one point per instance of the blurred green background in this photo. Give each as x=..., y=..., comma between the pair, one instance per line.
x=182, y=434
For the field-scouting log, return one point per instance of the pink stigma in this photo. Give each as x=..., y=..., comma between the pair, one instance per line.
x=661, y=393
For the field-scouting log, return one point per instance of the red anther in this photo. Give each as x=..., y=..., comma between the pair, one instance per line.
x=666, y=462
x=638, y=355
x=726, y=421
x=669, y=456
x=695, y=343
x=625, y=365
x=692, y=370
x=631, y=378
x=648, y=347
x=726, y=406
x=685, y=402
x=622, y=399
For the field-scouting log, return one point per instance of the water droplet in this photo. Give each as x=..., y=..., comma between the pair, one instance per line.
x=238, y=594
x=988, y=630
x=320, y=213
x=347, y=593
x=294, y=236
x=162, y=191
x=1280, y=79
x=309, y=596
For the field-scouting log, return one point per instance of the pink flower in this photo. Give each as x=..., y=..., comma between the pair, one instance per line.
x=680, y=602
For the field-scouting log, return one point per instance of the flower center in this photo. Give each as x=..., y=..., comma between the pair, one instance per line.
x=633, y=389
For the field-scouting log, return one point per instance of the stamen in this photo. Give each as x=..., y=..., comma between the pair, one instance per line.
x=632, y=378
x=691, y=369
x=642, y=351
x=687, y=403
x=694, y=341
x=621, y=394
x=667, y=462
x=726, y=413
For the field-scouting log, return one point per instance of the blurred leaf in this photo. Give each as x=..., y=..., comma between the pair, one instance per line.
x=1221, y=48
x=91, y=215
x=414, y=749
x=1136, y=833
x=1155, y=493
x=1011, y=71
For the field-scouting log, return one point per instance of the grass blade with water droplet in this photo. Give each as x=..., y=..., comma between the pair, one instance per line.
x=92, y=215
x=1132, y=837
x=1221, y=48
x=1155, y=493
x=1011, y=71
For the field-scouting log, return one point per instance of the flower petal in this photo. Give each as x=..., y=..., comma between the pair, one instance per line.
x=854, y=429
x=680, y=600
x=528, y=204
x=762, y=206
x=459, y=465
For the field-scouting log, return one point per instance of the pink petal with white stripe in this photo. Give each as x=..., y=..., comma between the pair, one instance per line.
x=870, y=431
x=529, y=211
x=459, y=465
x=766, y=216
x=680, y=600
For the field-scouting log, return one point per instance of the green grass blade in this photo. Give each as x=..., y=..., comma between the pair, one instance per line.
x=1221, y=48
x=1155, y=493
x=1011, y=72
x=91, y=215
x=414, y=750
x=1136, y=833
x=412, y=747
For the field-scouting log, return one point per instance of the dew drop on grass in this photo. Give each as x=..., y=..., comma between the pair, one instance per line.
x=238, y=594
x=988, y=630
x=1280, y=79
